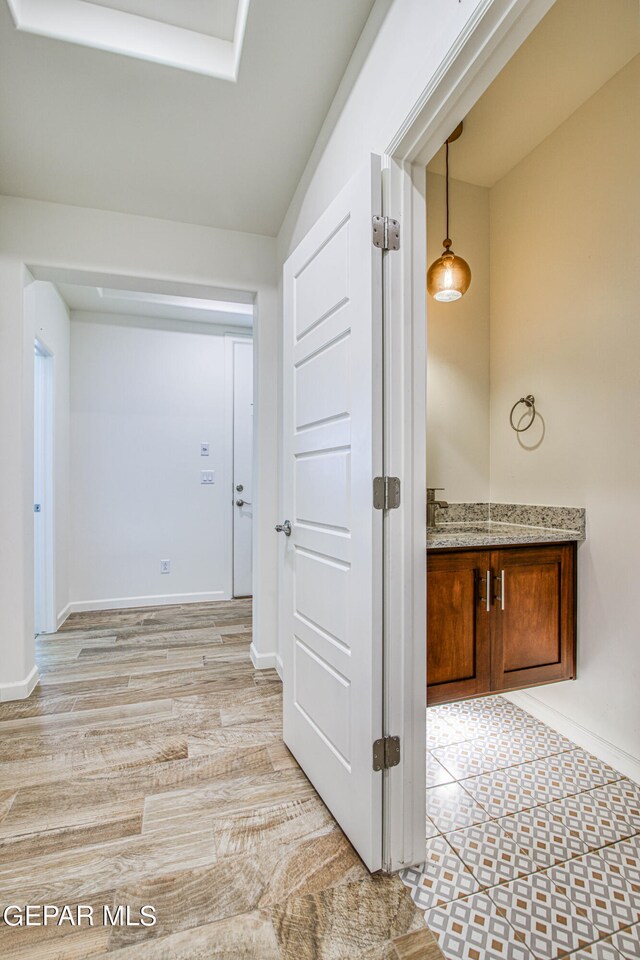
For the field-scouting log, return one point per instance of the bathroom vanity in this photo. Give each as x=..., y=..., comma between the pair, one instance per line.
x=501, y=608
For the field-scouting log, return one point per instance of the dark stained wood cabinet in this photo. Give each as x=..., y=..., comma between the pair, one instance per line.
x=458, y=654
x=499, y=619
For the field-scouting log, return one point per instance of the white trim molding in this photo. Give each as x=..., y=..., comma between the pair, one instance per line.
x=265, y=661
x=19, y=689
x=144, y=38
x=494, y=31
x=126, y=603
x=491, y=36
x=625, y=762
x=63, y=615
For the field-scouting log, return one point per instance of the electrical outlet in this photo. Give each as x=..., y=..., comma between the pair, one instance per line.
x=204, y=449
x=207, y=476
x=165, y=566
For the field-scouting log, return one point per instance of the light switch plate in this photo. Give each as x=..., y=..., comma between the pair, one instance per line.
x=207, y=476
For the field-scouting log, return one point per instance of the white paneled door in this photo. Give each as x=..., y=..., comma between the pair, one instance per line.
x=332, y=589
x=242, y=467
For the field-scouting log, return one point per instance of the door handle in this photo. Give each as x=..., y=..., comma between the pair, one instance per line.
x=487, y=588
x=284, y=528
x=240, y=503
x=499, y=595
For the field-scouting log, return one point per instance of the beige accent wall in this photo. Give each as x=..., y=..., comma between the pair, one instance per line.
x=458, y=349
x=565, y=326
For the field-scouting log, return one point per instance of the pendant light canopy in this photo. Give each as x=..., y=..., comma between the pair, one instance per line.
x=449, y=276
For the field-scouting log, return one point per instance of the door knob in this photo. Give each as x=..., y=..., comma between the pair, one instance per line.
x=284, y=528
x=239, y=503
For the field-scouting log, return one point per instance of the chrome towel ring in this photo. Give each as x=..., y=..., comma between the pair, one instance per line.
x=530, y=402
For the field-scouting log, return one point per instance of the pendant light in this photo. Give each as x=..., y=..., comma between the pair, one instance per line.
x=449, y=276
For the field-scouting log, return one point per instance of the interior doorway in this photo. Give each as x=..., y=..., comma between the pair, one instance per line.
x=484, y=826
x=44, y=612
x=149, y=370
x=242, y=367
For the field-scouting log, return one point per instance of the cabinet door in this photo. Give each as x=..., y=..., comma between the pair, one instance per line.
x=458, y=662
x=533, y=625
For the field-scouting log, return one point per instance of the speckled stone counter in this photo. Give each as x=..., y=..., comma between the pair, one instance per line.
x=504, y=524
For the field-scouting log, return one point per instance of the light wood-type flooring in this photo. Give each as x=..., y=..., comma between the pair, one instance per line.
x=148, y=768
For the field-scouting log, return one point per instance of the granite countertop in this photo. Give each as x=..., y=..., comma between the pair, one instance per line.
x=483, y=525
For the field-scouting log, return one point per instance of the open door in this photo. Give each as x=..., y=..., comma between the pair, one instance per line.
x=332, y=449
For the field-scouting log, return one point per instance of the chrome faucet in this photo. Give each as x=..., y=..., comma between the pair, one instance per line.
x=432, y=503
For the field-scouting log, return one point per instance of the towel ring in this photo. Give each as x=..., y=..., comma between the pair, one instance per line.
x=530, y=402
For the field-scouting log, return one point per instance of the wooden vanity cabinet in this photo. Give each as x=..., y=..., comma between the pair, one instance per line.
x=458, y=653
x=522, y=633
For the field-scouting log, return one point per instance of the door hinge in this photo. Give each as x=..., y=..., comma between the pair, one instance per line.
x=386, y=753
x=385, y=233
x=386, y=493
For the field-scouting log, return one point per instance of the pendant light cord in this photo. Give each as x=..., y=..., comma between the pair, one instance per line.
x=447, y=185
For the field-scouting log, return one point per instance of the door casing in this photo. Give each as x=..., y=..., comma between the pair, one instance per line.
x=493, y=33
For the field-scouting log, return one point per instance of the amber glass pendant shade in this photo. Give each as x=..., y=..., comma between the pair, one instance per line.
x=449, y=276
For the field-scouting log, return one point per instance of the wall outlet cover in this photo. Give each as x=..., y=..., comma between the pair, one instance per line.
x=165, y=566
x=204, y=449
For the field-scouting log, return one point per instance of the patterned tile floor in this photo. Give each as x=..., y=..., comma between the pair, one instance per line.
x=533, y=845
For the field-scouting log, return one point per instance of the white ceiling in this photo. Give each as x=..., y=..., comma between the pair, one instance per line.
x=96, y=129
x=576, y=48
x=155, y=306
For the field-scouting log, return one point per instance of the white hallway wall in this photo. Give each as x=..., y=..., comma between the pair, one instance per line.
x=144, y=396
x=382, y=84
x=46, y=235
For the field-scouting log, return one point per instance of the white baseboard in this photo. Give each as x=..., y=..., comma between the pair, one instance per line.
x=160, y=600
x=62, y=616
x=625, y=762
x=19, y=689
x=265, y=661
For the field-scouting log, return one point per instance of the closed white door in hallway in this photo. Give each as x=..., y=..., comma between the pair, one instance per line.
x=242, y=467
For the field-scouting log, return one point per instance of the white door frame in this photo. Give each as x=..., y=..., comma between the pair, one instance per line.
x=44, y=425
x=230, y=340
x=491, y=36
